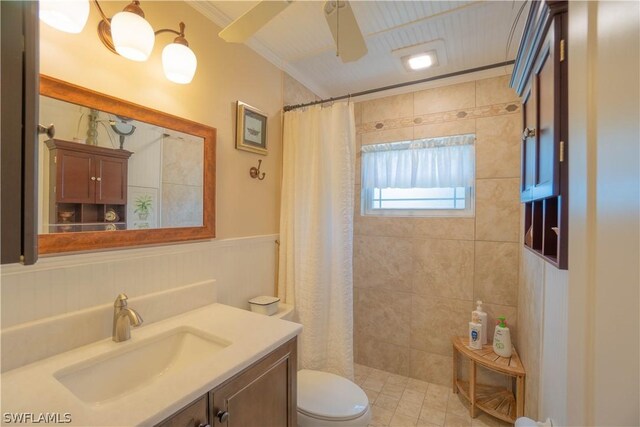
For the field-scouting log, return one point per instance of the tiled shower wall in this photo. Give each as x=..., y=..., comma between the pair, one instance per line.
x=416, y=279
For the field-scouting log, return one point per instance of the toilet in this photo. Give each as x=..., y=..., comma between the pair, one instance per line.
x=326, y=399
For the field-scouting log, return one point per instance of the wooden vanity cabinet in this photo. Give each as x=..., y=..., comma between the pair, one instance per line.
x=540, y=77
x=88, y=181
x=195, y=414
x=262, y=395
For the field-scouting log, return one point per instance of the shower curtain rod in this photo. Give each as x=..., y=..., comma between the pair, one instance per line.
x=381, y=89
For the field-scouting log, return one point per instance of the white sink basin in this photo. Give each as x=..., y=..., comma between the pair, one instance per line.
x=136, y=365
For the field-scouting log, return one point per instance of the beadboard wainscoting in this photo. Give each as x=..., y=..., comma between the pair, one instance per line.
x=242, y=268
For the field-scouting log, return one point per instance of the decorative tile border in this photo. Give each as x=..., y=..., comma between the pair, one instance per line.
x=447, y=116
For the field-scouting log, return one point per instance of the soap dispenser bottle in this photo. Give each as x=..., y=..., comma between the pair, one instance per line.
x=481, y=317
x=475, y=334
x=502, y=339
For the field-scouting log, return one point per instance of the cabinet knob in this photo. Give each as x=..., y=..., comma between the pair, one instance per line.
x=98, y=179
x=222, y=416
x=93, y=178
x=528, y=133
x=50, y=130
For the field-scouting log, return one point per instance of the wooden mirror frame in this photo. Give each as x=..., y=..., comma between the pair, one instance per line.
x=90, y=241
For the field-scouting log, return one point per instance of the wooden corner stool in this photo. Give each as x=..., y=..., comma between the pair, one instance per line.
x=496, y=401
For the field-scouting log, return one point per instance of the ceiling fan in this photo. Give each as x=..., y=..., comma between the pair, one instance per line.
x=350, y=45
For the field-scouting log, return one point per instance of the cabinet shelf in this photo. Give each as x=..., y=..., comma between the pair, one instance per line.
x=496, y=401
x=499, y=402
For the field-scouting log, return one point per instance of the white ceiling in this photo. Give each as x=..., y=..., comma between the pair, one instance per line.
x=465, y=34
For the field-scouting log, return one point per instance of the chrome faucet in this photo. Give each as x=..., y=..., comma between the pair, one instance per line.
x=123, y=318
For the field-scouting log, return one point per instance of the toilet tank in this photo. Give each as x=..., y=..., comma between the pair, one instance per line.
x=285, y=312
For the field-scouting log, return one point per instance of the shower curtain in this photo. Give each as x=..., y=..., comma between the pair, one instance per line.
x=316, y=233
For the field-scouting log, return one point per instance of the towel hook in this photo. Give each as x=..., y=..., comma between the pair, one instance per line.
x=255, y=171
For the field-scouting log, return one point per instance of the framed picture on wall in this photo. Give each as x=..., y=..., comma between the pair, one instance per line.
x=251, y=129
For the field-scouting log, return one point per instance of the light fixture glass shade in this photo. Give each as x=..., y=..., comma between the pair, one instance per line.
x=132, y=36
x=179, y=63
x=69, y=16
x=419, y=62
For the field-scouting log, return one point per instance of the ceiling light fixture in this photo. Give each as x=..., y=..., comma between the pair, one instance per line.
x=419, y=61
x=127, y=33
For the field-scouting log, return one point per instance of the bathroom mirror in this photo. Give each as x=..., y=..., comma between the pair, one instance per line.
x=118, y=174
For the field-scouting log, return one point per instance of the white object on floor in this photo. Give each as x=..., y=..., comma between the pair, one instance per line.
x=326, y=399
x=528, y=422
x=264, y=305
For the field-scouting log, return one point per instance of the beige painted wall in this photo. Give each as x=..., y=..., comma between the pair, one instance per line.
x=416, y=279
x=226, y=73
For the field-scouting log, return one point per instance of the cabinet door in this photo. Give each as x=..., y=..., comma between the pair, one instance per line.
x=194, y=415
x=75, y=178
x=111, y=180
x=263, y=395
x=547, y=90
x=542, y=111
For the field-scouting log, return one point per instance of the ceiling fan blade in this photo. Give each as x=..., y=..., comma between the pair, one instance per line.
x=252, y=20
x=350, y=42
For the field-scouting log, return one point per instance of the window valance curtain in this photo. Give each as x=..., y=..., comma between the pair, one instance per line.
x=426, y=163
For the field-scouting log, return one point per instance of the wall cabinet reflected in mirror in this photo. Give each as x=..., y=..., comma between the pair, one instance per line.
x=119, y=174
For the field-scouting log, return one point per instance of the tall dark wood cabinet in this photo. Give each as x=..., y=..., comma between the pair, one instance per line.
x=540, y=78
x=87, y=187
x=19, y=86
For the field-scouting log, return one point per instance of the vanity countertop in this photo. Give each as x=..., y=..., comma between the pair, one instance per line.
x=33, y=389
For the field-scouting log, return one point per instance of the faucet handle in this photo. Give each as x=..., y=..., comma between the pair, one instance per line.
x=121, y=300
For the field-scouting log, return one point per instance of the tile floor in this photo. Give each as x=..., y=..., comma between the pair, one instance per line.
x=398, y=401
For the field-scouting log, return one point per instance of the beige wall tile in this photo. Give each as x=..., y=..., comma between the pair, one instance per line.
x=495, y=90
x=456, y=127
x=382, y=262
x=484, y=376
x=445, y=98
x=442, y=256
x=382, y=314
x=498, y=146
x=381, y=355
x=390, y=107
x=368, y=225
x=389, y=135
x=445, y=228
x=496, y=272
x=509, y=312
x=497, y=209
x=430, y=367
x=435, y=320
x=443, y=268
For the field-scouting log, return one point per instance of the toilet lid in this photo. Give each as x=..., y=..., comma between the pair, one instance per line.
x=327, y=396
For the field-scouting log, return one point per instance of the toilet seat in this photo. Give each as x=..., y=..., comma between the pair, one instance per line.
x=329, y=397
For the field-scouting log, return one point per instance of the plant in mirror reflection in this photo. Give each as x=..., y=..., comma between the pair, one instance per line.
x=143, y=206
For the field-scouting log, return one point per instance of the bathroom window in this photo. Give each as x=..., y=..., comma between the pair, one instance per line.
x=425, y=177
